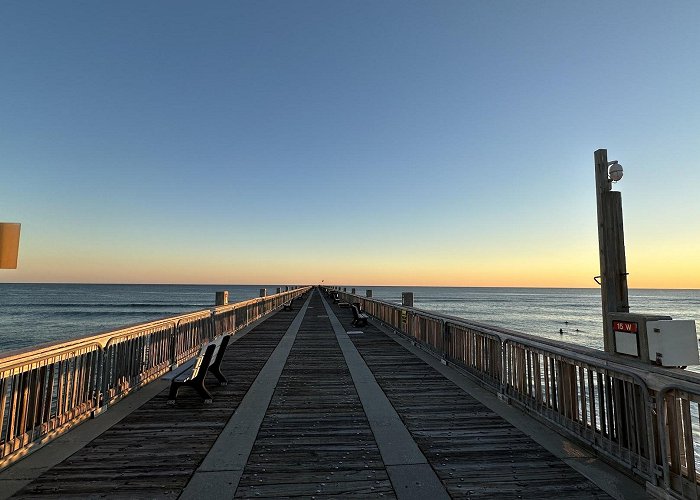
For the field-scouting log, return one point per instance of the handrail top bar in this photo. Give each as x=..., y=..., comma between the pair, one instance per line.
x=228, y=307
x=11, y=358
x=655, y=377
x=101, y=338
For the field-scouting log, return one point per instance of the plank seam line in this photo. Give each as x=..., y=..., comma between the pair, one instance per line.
x=223, y=466
x=409, y=471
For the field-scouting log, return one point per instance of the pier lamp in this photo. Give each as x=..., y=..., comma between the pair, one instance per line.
x=9, y=244
x=614, y=171
x=611, y=241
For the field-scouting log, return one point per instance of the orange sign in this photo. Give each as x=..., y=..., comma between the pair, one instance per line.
x=625, y=326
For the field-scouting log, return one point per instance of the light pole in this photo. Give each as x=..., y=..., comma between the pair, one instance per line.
x=611, y=241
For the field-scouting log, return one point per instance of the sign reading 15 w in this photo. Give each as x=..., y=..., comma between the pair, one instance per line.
x=625, y=326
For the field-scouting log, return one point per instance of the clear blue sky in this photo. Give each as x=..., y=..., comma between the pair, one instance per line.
x=374, y=142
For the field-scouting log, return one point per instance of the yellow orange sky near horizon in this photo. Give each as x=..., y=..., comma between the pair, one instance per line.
x=655, y=267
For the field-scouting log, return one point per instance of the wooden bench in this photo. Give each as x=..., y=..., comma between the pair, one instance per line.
x=359, y=318
x=336, y=298
x=208, y=360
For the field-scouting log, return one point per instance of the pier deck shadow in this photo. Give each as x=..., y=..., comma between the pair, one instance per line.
x=315, y=438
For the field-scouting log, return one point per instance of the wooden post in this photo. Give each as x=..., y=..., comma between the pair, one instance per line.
x=353, y=291
x=369, y=294
x=279, y=289
x=222, y=298
x=407, y=299
x=613, y=277
x=263, y=292
x=611, y=241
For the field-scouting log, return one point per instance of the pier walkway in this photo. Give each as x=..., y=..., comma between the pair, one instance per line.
x=315, y=407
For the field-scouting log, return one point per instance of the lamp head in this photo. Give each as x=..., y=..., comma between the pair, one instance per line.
x=615, y=171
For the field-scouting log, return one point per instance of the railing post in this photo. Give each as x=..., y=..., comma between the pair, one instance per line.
x=173, y=345
x=445, y=338
x=504, y=367
x=104, y=385
x=101, y=368
x=369, y=294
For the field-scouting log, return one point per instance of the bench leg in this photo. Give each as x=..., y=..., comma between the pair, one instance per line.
x=216, y=371
x=215, y=367
x=172, y=395
x=198, y=386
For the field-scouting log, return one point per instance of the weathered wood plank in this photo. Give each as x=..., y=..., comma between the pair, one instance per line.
x=474, y=451
x=315, y=438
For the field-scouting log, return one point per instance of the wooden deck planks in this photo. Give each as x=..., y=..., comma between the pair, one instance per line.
x=315, y=439
x=154, y=451
x=475, y=452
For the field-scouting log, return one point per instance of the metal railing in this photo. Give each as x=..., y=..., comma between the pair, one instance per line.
x=48, y=389
x=645, y=419
x=678, y=429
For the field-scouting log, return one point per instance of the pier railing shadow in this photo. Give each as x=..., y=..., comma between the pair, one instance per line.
x=48, y=389
x=642, y=419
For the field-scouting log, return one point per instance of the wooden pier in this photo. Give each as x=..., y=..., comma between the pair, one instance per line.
x=316, y=407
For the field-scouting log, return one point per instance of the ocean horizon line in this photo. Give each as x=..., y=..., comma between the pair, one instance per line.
x=82, y=283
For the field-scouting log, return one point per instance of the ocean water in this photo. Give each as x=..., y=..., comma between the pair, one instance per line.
x=31, y=314
x=542, y=311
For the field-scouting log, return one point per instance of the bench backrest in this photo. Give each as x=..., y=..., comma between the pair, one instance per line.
x=355, y=311
x=204, y=359
x=207, y=355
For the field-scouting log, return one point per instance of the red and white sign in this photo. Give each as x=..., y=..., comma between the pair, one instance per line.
x=625, y=326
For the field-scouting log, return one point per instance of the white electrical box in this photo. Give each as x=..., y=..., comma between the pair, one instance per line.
x=673, y=342
x=653, y=339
